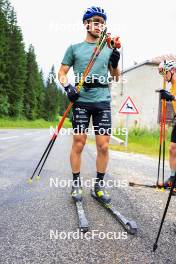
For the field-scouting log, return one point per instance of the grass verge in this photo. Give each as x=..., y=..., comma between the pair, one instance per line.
x=39, y=123
x=142, y=141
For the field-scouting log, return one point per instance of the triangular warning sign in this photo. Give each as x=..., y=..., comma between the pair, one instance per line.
x=128, y=107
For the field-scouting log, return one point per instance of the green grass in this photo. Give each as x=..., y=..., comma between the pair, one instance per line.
x=39, y=123
x=142, y=141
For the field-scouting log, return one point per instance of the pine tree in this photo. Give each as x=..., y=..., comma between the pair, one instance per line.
x=16, y=68
x=4, y=105
x=12, y=62
x=51, y=97
x=31, y=88
x=63, y=103
x=40, y=95
x=22, y=88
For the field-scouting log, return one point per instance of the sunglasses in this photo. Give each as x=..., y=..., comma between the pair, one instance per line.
x=97, y=21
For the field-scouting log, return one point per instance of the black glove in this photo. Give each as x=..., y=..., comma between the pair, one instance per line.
x=114, y=58
x=166, y=95
x=72, y=93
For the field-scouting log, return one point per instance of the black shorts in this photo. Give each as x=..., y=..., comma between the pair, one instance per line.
x=173, y=134
x=101, y=117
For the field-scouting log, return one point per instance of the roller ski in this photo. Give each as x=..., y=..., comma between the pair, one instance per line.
x=102, y=196
x=76, y=194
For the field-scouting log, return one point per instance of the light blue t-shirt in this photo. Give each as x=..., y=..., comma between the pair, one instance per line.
x=78, y=56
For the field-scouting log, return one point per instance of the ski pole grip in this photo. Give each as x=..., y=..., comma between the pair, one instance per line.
x=113, y=43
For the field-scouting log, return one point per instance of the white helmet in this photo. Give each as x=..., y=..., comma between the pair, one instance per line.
x=166, y=66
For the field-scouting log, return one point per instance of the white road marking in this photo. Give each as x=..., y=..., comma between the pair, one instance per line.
x=120, y=141
x=39, y=138
x=25, y=134
x=5, y=138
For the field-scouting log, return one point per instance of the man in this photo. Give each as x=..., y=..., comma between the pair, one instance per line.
x=93, y=100
x=168, y=71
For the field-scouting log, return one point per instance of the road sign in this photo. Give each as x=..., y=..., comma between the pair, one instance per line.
x=128, y=107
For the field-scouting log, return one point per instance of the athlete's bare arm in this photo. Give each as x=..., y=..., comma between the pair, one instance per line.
x=62, y=74
x=114, y=73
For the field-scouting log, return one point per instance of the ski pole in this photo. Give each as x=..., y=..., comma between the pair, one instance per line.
x=164, y=123
x=162, y=142
x=100, y=45
x=52, y=142
x=160, y=146
x=164, y=215
x=162, y=135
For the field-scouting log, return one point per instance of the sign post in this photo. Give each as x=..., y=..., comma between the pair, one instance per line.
x=126, y=137
x=128, y=108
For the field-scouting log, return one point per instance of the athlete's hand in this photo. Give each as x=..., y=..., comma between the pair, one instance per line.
x=72, y=93
x=114, y=58
x=166, y=95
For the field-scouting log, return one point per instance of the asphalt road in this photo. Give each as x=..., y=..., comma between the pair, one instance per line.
x=33, y=217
